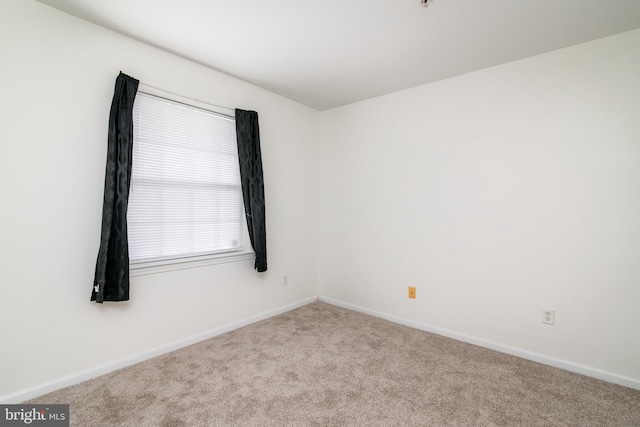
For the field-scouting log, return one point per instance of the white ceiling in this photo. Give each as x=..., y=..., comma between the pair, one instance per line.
x=327, y=53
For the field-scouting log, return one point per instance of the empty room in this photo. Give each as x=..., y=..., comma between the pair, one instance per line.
x=387, y=212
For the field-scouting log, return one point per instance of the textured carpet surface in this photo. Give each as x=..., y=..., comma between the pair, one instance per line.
x=321, y=365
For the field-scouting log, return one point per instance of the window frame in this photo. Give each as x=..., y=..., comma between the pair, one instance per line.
x=139, y=268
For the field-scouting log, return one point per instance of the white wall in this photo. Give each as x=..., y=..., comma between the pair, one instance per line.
x=496, y=193
x=58, y=74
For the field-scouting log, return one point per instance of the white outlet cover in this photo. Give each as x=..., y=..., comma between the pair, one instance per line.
x=548, y=316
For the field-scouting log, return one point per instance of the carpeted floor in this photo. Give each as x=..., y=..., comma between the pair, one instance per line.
x=321, y=365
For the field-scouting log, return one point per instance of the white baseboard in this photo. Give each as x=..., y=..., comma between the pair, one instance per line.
x=525, y=354
x=106, y=368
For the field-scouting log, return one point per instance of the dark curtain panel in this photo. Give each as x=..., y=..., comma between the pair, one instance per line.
x=111, y=281
x=248, y=134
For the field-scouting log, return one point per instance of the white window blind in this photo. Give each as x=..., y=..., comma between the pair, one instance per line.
x=186, y=197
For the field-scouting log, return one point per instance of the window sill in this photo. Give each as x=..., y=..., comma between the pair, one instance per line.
x=143, y=269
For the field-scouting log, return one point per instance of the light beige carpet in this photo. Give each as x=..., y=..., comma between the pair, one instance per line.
x=325, y=366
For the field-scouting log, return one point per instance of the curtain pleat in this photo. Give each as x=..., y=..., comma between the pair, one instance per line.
x=111, y=282
x=250, y=158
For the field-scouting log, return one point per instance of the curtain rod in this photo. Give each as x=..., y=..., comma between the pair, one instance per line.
x=142, y=86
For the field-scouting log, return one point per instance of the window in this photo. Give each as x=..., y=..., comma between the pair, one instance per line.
x=186, y=197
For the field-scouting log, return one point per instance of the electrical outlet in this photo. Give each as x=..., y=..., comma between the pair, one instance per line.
x=548, y=316
x=412, y=292
x=285, y=280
